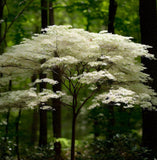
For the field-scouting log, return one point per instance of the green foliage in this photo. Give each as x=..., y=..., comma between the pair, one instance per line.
x=121, y=147
x=127, y=19
x=21, y=26
x=39, y=153
x=93, y=13
x=64, y=142
x=6, y=149
x=126, y=120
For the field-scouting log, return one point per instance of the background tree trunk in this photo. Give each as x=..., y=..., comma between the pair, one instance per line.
x=56, y=103
x=43, y=113
x=17, y=135
x=111, y=116
x=43, y=117
x=73, y=135
x=51, y=13
x=8, y=115
x=2, y=4
x=34, y=129
x=57, y=113
x=44, y=13
x=1, y=18
x=35, y=120
x=2, y=47
x=148, y=24
x=110, y=122
x=112, y=13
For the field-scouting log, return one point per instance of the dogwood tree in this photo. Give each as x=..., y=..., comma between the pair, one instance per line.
x=105, y=65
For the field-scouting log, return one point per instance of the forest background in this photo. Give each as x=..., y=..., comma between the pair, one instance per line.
x=20, y=129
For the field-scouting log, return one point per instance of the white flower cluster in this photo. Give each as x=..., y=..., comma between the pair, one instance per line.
x=26, y=98
x=18, y=99
x=84, y=58
x=56, y=61
x=46, y=80
x=121, y=95
x=95, y=76
x=48, y=94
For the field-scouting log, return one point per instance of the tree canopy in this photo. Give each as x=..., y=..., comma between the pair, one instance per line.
x=106, y=64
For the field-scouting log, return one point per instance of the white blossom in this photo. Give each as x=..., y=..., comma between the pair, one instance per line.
x=93, y=77
x=120, y=95
x=18, y=99
x=46, y=80
x=47, y=94
x=83, y=58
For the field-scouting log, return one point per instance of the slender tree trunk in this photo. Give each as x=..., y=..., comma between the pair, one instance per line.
x=148, y=23
x=111, y=122
x=1, y=24
x=44, y=13
x=2, y=47
x=35, y=126
x=43, y=113
x=7, y=125
x=43, y=128
x=8, y=115
x=149, y=129
x=88, y=23
x=51, y=14
x=43, y=117
x=112, y=13
x=56, y=114
x=56, y=103
x=111, y=20
x=1, y=18
x=35, y=120
x=96, y=133
x=17, y=135
x=74, y=116
x=73, y=136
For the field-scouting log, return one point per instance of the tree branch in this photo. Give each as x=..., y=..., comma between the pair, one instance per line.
x=12, y=22
x=66, y=104
x=85, y=101
x=69, y=89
